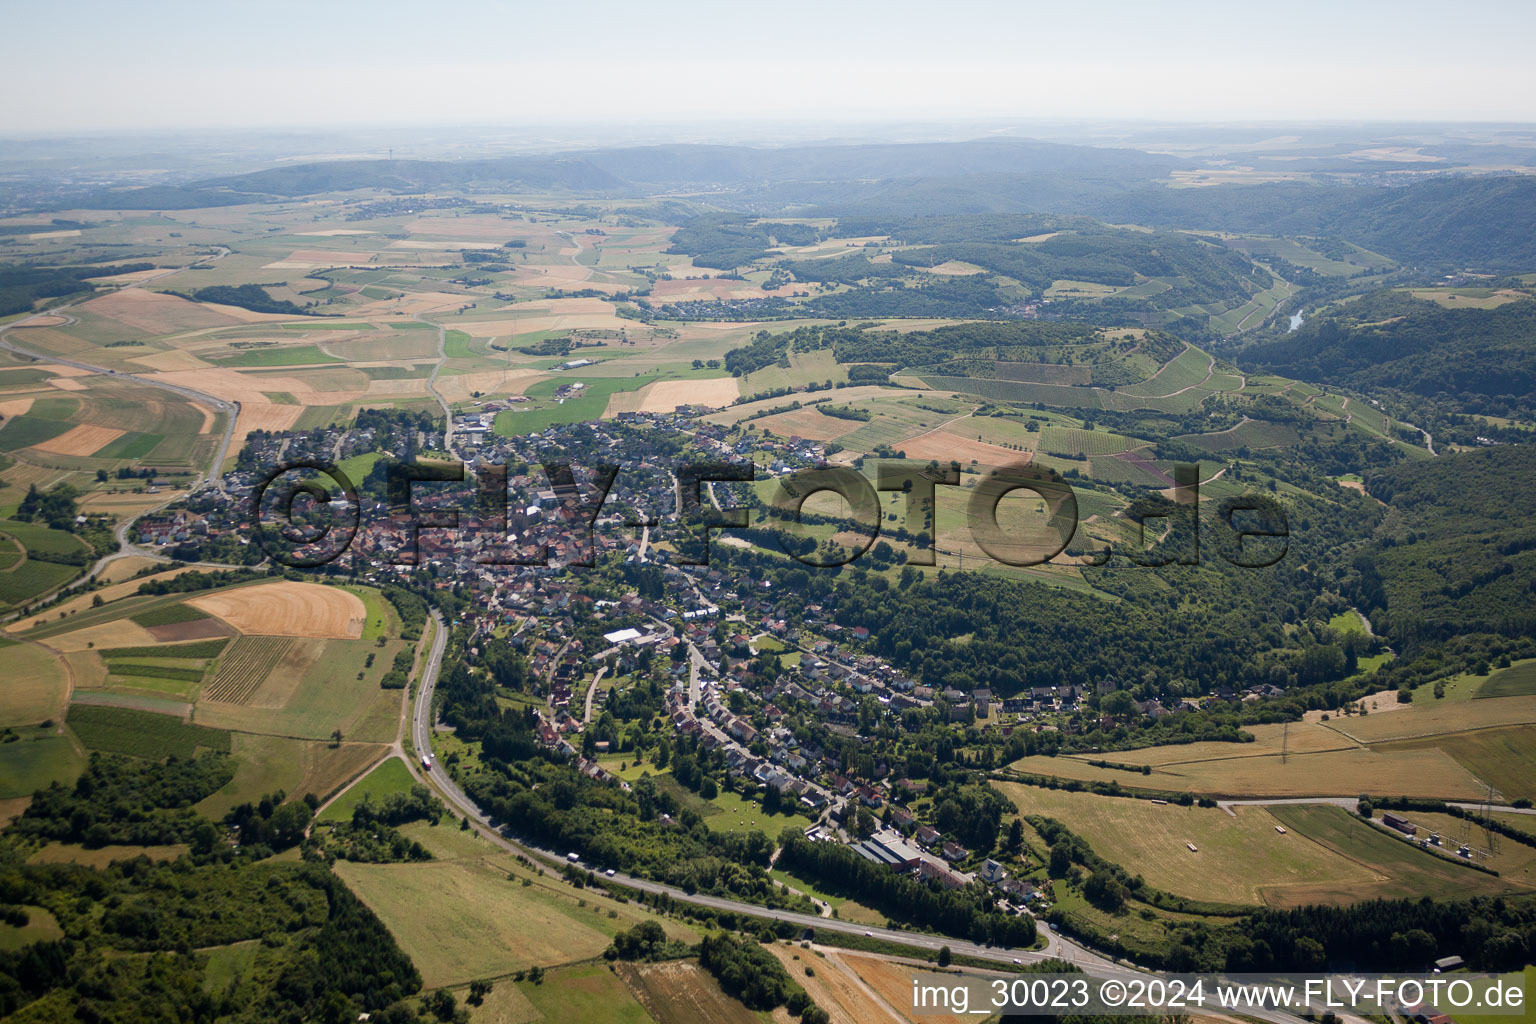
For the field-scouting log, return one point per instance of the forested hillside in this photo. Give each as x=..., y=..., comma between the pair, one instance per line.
x=1390, y=339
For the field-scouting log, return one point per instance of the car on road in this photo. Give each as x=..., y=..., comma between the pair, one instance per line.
x=609, y=872
x=574, y=858
x=869, y=933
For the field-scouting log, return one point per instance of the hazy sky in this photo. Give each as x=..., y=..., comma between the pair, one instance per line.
x=88, y=65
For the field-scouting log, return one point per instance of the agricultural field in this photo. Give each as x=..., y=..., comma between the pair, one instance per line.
x=1247, y=434
x=1240, y=860
x=266, y=764
x=126, y=730
x=297, y=668
x=833, y=986
x=1499, y=757
x=501, y=925
x=1428, y=717
x=31, y=561
x=391, y=776
x=682, y=992
x=1428, y=772
x=1402, y=868
x=315, y=688
x=288, y=609
x=35, y=688
x=1084, y=443
x=1450, y=749
x=243, y=668
x=40, y=756
x=1518, y=680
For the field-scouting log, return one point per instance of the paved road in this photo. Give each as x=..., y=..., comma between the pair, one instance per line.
x=442, y=358
x=586, y=717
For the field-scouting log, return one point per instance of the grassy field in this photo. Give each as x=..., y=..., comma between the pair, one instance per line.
x=266, y=764
x=500, y=925
x=738, y=814
x=1519, y=680
x=1515, y=862
x=41, y=926
x=1240, y=860
x=296, y=355
x=74, y=853
x=141, y=733
x=22, y=580
x=587, y=994
x=34, y=688
x=316, y=686
x=40, y=757
x=390, y=777
x=545, y=412
x=1403, y=869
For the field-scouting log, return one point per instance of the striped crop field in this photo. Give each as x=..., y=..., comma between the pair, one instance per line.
x=243, y=667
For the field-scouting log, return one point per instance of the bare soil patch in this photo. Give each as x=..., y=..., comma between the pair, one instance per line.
x=198, y=629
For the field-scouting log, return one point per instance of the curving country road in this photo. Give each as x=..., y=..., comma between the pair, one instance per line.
x=437, y=368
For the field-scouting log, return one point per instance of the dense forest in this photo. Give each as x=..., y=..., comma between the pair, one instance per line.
x=248, y=296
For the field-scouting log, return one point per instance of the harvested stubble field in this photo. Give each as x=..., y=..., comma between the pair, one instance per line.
x=807, y=423
x=1421, y=719
x=156, y=313
x=243, y=668
x=287, y=608
x=666, y=395
x=1295, y=738
x=892, y=982
x=84, y=439
x=950, y=443
x=1419, y=772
